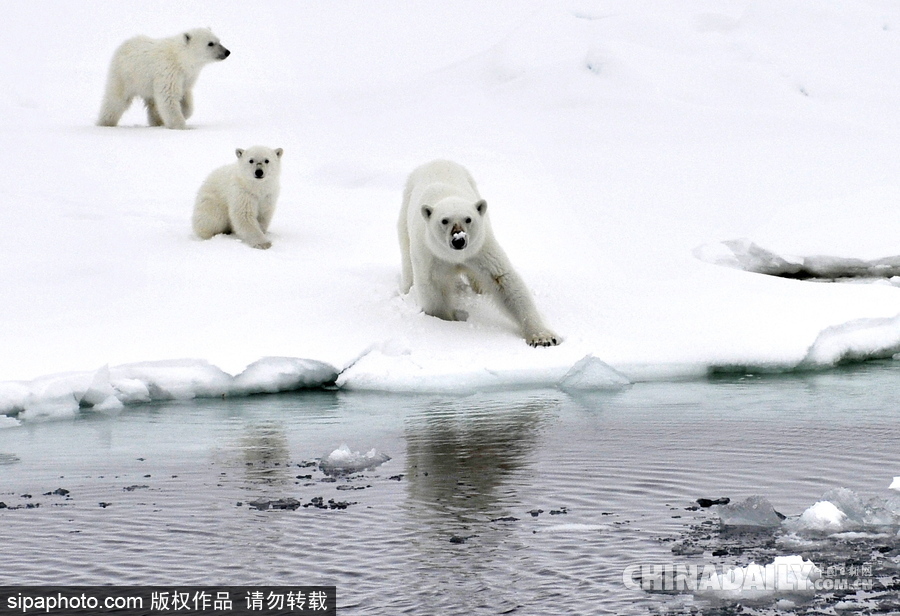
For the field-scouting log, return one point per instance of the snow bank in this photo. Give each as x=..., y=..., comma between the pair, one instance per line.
x=854, y=341
x=109, y=389
x=395, y=367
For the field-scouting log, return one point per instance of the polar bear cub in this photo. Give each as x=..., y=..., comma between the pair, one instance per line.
x=445, y=234
x=162, y=72
x=240, y=198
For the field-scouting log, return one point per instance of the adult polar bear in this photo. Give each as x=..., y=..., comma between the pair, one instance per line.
x=444, y=234
x=162, y=72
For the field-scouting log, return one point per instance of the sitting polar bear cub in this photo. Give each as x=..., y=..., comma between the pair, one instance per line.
x=240, y=197
x=162, y=72
x=444, y=234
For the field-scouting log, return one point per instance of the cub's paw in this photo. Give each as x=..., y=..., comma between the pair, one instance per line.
x=543, y=339
x=263, y=245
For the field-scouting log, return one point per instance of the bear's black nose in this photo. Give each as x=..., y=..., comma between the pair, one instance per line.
x=458, y=242
x=225, y=53
x=260, y=173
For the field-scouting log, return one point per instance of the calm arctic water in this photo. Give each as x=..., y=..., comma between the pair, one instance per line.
x=517, y=502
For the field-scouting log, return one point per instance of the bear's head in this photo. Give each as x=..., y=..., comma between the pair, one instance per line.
x=204, y=45
x=259, y=163
x=455, y=228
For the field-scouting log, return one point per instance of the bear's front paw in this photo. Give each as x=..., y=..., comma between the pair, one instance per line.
x=543, y=339
x=263, y=245
x=460, y=315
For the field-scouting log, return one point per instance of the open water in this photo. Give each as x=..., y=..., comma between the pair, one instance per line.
x=523, y=502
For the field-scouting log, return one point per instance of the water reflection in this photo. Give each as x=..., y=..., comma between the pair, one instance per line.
x=266, y=455
x=460, y=454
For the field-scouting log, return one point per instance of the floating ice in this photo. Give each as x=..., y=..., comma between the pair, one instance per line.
x=823, y=516
x=842, y=510
x=754, y=511
x=342, y=461
x=895, y=485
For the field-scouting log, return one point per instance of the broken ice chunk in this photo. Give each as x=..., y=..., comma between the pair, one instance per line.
x=342, y=461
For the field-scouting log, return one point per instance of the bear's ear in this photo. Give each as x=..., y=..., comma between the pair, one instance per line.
x=427, y=211
x=187, y=38
x=481, y=206
x=239, y=152
x=279, y=152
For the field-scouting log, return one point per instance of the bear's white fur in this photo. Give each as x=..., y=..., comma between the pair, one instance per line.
x=162, y=72
x=240, y=197
x=445, y=235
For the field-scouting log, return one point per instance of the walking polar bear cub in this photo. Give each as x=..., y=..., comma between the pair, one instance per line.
x=445, y=234
x=240, y=198
x=162, y=72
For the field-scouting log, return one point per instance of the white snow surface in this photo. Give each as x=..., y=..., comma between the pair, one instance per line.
x=610, y=138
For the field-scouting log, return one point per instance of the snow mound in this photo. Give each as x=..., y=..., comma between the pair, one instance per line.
x=109, y=389
x=755, y=511
x=855, y=340
x=274, y=374
x=823, y=516
x=589, y=374
x=785, y=577
x=342, y=461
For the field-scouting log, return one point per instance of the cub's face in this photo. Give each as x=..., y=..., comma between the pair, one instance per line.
x=259, y=163
x=454, y=228
x=205, y=45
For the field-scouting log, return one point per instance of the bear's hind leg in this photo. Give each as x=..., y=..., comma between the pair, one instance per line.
x=153, y=118
x=210, y=216
x=114, y=106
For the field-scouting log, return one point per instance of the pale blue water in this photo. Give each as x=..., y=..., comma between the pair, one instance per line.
x=423, y=533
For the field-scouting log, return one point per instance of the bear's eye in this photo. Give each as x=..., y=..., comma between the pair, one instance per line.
x=445, y=221
x=267, y=161
x=210, y=44
x=251, y=161
x=468, y=220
